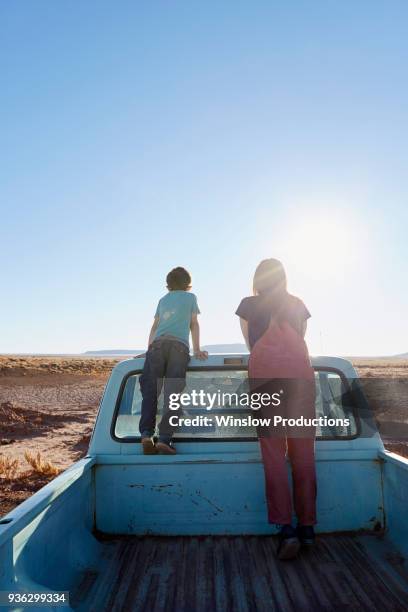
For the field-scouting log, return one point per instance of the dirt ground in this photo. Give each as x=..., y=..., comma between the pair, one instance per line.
x=48, y=407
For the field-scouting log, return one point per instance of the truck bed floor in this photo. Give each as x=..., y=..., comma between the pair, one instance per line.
x=242, y=574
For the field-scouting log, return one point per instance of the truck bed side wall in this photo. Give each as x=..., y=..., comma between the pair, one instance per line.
x=395, y=484
x=49, y=538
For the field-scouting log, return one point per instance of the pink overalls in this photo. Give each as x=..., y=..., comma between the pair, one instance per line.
x=279, y=361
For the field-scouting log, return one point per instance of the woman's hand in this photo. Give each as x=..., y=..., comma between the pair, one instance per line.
x=202, y=355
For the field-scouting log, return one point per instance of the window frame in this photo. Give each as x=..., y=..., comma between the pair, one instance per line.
x=239, y=368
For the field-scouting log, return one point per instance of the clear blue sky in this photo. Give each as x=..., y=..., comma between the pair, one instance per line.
x=136, y=136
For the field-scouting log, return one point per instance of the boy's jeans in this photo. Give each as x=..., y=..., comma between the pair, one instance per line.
x=167, y=359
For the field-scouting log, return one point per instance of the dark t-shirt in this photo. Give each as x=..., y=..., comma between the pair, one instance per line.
x=258, y=310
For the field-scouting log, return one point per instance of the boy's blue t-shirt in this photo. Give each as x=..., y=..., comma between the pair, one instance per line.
x=174, y=311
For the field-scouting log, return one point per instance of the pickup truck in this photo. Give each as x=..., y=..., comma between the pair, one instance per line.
x=120, y=530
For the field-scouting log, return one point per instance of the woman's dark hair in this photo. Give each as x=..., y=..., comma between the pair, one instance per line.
x=178, y=279
x=270, y=277
x=270, y=282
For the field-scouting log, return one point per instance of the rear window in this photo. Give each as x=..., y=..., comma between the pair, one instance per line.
x=333, y=400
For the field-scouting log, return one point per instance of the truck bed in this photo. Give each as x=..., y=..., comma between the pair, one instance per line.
x=240, y=574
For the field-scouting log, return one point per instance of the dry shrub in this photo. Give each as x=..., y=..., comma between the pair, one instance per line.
x=40, y=465
x=8, y=467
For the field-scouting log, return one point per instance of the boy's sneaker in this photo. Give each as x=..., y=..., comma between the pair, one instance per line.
x=148, y=446
x=306, y=534
x=165, y=448
x=289, y=544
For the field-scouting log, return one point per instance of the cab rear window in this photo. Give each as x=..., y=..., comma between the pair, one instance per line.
x=333, y=400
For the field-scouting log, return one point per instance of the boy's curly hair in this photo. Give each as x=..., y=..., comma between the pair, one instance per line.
x=178, y=279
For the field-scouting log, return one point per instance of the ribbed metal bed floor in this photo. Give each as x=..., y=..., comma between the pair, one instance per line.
x=242, y=574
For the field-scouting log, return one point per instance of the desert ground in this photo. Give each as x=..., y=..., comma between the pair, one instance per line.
x=48, y=406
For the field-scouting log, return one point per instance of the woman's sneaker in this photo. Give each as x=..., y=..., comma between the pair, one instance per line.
x=289, y=544
x=306, y=535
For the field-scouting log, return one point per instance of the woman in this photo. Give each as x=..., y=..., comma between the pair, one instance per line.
x=273, y=323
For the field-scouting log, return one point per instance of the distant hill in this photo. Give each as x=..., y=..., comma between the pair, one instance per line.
x=115, y=352
x=211, y=348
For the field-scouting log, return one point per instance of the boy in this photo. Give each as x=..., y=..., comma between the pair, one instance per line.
x=167, y=357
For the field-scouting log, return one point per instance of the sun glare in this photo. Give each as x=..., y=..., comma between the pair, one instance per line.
x=319, y=248
x=321, y=244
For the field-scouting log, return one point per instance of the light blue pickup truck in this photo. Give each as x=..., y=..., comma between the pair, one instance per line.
x=123, y=531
